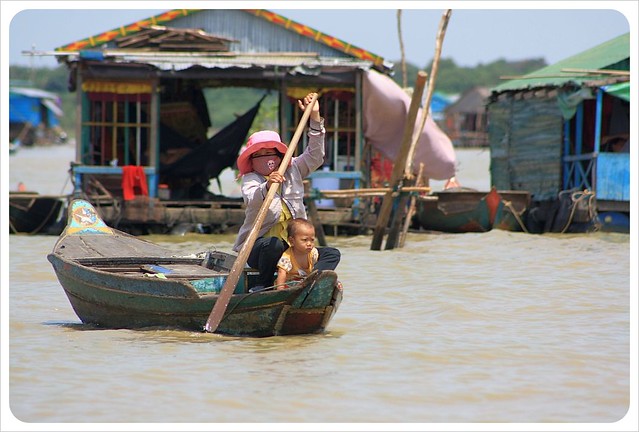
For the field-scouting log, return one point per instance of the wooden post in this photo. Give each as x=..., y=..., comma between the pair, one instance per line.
x=400, y=162
x=393, y=235
x=400, y=212
x=411, y=208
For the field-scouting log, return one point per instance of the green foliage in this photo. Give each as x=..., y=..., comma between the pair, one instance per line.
x=50, y=79
x=453, y=79
x=225, y=104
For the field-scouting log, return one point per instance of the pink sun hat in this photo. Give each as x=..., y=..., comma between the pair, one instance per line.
x=257, y=141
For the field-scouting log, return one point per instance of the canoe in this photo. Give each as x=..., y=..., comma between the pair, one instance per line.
x=115, y=280
x=462, y=210
x=32, y=213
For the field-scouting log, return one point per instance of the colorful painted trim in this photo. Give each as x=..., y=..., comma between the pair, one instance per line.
x=117, y=87
x=316, y=35
x=83, y=219
x=301, y=29
x=108, y=36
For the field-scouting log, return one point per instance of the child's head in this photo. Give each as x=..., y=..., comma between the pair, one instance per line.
x=301, y=234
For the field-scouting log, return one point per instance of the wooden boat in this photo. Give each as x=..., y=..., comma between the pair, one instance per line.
x=115, y=280
x=460, y=210
x=32, y=213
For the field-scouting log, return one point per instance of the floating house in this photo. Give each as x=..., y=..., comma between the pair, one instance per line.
x=563, y=134
x=34, y=117
x=465, y=120
x=146, y=149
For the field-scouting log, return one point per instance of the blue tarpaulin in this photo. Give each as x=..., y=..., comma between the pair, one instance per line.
x=33, y=106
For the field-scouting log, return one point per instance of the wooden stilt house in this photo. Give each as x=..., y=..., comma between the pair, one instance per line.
x=563, y=134
x=146, y=151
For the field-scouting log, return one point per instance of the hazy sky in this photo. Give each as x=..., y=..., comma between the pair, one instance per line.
x=473, y=36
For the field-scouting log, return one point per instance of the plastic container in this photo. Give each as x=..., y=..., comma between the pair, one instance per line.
x=164, y=193
x=325, y=183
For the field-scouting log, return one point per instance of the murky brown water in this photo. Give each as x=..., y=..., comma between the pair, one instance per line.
x=467, y=328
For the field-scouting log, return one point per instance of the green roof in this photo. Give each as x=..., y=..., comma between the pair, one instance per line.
x=620, y=90
x=611, y=55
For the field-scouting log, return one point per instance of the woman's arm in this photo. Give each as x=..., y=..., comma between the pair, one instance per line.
x=313, y=156
x=254, y=188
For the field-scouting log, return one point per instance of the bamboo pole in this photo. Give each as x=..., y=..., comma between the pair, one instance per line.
x=443, y=24
x=392, y=240
x=400, y=212
x=411, y=208
x=597, y=71
x=375, y=191
x=400, y=162
x=568, y=72
x=401, y=48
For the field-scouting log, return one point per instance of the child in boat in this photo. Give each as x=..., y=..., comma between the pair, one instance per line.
x=298, y=260
x=258, y=164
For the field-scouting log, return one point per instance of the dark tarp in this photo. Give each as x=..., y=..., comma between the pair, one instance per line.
x=219, y=152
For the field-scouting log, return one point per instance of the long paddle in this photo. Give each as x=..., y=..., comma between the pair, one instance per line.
x=217, y=313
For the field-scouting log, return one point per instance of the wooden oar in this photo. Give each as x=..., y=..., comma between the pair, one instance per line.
x=217, y=313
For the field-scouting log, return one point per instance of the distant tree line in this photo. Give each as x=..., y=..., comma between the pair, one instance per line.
x=451, y=79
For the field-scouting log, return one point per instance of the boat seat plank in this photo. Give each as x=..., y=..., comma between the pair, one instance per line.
x=108, y=246
x=182, y=270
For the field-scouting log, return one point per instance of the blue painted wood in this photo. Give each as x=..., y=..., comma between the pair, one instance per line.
x=79, y=170
x=598, y=118
x=613, y=176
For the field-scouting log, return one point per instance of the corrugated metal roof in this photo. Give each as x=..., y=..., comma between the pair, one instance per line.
x=307, y=63
x=189, y=16
x=609, y=55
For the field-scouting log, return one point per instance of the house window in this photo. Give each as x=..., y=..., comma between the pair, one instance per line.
x=338, y=110
x=116, y=124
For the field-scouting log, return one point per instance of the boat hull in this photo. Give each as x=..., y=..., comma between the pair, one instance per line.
x=32, y=213
x=108, y=286
x=461, y=211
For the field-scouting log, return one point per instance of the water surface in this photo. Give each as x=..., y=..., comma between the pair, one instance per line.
x=453, y=328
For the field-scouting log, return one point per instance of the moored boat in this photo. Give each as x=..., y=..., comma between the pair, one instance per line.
x=461, y=210
x=115, y=280
x=512, y=212
x=32, y=213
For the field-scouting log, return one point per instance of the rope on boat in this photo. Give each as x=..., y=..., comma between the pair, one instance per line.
x=586, y=194
x=39, y=227
x=44, y=221
x=510, y=206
